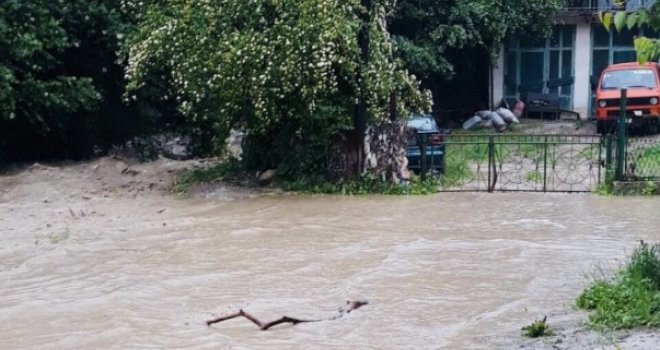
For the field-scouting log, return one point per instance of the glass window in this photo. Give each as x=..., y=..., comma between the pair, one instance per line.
x=511, y=73
x=601, y=37
x=531, y=71
x=567, y=34
x=554, y=64
x=532, y=43
x=567, y=64
x=600, y=61
x=629, y=78
x=624, y=38
x=625, y=56
x=555, y=39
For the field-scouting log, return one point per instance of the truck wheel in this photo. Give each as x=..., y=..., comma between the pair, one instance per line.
x=600, y=127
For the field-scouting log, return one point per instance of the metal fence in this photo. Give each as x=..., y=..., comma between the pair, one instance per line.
x=642, y=161
x=637, y=154
x=537, y=163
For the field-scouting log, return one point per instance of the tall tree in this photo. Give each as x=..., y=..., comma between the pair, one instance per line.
x=284, y=70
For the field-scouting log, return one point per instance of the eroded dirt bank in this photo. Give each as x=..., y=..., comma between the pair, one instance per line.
x=93, y=255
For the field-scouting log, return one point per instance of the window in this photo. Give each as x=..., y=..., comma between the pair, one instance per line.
x=542, y=65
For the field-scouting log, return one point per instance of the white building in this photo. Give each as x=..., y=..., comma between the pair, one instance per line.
x=570, y=61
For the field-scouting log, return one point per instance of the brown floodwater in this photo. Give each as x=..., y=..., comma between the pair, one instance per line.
x=450, y=271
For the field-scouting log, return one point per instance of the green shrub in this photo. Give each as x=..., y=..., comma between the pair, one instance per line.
x=538, y=328
x=630, y=300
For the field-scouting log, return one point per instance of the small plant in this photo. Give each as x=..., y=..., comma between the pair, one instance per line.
x=230, y=171
x=650, y=189
x=630, y=300
x=535, y=176
x=606, y=188
x=538, y=328
x=364, y=186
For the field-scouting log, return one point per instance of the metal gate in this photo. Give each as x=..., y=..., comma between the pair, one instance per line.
x=531, y=163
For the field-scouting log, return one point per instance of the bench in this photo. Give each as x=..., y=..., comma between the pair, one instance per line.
x=545, y=105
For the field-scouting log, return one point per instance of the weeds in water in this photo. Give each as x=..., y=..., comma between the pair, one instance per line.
x=232, y=172
x=364, y=186
x=537, y=329
x=630, y=300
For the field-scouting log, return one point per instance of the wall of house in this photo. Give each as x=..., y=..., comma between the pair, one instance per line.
x=582, y=87
x=582, y=68
x=497, y=93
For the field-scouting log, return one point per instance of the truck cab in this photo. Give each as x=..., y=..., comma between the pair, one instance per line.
x=643, y=97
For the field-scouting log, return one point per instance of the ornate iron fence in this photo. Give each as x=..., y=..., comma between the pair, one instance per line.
x=533, y=163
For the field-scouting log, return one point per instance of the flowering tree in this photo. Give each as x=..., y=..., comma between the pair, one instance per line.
x=283, y=70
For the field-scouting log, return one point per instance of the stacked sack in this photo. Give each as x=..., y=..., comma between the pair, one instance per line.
x=498, y=119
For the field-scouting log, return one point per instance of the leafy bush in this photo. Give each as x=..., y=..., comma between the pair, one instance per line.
x=537, y=329
x=287, y=72
x=632, y=299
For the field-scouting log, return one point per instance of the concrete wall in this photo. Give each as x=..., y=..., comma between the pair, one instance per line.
x=582, y=69
x=498, y=80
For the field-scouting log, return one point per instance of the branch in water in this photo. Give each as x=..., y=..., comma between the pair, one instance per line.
x=350, y=306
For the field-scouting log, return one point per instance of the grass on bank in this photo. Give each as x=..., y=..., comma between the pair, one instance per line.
x=632, y=298
x=232, y=172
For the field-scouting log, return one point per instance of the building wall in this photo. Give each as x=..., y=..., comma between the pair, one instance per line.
x=498, y=80
x=582, y=87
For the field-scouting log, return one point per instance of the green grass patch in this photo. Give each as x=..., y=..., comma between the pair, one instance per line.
x=535, y=176
x=537, y=329
x=632, y=298
x=232, y=172
x=367, y=185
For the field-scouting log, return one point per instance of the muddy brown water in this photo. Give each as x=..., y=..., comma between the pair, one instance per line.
x=452, y=271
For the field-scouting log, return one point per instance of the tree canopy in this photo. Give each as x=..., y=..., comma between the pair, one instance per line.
x=286, y=71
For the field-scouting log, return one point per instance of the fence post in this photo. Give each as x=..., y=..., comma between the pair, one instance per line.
x=492, y=164
x=545, y=164
x=621, y=136
x=608, y=152
x=422, y=150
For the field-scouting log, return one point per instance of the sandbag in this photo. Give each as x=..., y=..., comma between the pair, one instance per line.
x=486, y=124
x=498, y=123
x=507, y=115
x=483, y=114
x=472, y=123
x=519, y=109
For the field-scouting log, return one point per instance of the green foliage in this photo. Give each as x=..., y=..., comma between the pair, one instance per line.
x=234, y=172
x=606, y=188
x=537, y=329
x=650, y=189
x=283, y=70
x=366, y=185
x=433, y=36
x=632, y=299
x=648, y=49
x=229, y=171
x=36, y=89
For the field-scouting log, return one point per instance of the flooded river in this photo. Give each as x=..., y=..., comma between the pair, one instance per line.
x=452, y=271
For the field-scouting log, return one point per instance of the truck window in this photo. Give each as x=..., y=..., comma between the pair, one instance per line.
x=629, y=78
